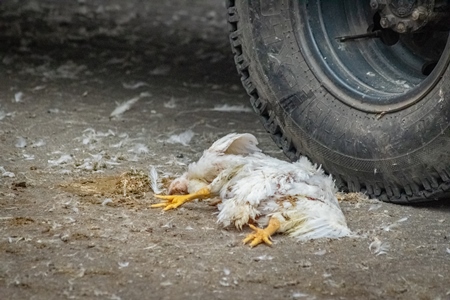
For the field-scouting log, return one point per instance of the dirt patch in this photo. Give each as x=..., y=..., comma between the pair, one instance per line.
x=130, y=189
x=353, y=197
x=21, y=221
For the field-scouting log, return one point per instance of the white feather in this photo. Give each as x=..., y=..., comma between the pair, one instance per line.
x=18, y=97
x=65, y=158
x=133, y=86
x=123, y=107
x=378, y=247
x=153, y=176
x=38, y=143
x=232, y=108
x=172, y=103
x=183, y=138
x=139, y=149
x=6, y=173
x=21, y=142
x=238, y=144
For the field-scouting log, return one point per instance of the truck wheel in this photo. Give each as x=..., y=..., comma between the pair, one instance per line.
x=372, y=109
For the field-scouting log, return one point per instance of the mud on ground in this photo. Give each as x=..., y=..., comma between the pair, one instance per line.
x=71, y=227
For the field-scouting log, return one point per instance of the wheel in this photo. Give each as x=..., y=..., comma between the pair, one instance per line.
x=373, y=110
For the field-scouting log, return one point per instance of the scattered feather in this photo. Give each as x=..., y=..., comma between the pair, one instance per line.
x=86, y=165
x=53, y=111
x=116, y=61
x=8, y=60
x=297, y=295
x=28, y=156
x=139, y=149
x=171, y=103
x=320, y=252
x=6, y=173
x=375, y=206
x=124, y=141
x=168, y=224
x=39, y=87
x=64, y=159
x=145, y=94
x=151, y=247
x=97, y=160
x=113, y=161
x=106, y=201
x=119, y=144
x=38, y=143
x=69, y=70
x=378, y=247
x=263, y=257
x=166, y=283
x=161, y=70
x=133, y=158
x=90, y=136
x=134, y=86
x=123, y=264
x=232, y=108
x=18, y=97
x=153, y=176
x=448, y=250
x=105, y=134
x=4, y=114
x=120, y=109
x=224, y=282
x=226, y=271
x=21, y=142
x=395, y=224
x=183, y=138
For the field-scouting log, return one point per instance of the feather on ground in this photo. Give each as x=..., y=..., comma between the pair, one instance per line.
x=282, y=197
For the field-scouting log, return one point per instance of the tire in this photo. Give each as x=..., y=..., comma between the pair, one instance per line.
x=374, y=113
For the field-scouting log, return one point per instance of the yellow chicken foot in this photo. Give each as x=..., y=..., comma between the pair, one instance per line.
x=174, y=201
x=262, y=235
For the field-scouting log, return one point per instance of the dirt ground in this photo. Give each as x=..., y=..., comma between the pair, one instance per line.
x=75, y=220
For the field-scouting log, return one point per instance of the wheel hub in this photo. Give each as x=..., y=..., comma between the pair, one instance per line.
x=358, y=65
x=402, y=8
x=404, y=16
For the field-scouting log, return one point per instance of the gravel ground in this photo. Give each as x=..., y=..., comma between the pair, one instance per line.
x=70, y=229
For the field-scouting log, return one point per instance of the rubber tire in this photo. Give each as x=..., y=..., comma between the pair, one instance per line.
x=402, y=157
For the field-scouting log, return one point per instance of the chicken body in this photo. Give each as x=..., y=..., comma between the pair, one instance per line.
x=294, y=198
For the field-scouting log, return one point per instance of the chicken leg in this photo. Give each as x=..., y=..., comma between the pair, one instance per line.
x=174, y=201
x=262, y=235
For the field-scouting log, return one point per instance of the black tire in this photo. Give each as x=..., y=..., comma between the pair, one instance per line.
x=389, y=137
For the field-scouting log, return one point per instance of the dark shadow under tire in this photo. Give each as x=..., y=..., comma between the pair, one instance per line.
x=376, y=116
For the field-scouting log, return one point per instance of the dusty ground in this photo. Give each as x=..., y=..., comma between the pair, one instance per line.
x=70, y=229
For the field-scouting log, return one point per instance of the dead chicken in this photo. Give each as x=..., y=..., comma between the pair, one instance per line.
x=279, y=196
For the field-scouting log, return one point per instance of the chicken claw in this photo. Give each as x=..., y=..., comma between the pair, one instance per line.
x=174, y=201
x=262, y=235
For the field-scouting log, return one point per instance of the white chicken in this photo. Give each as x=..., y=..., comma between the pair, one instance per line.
x=281, y=197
